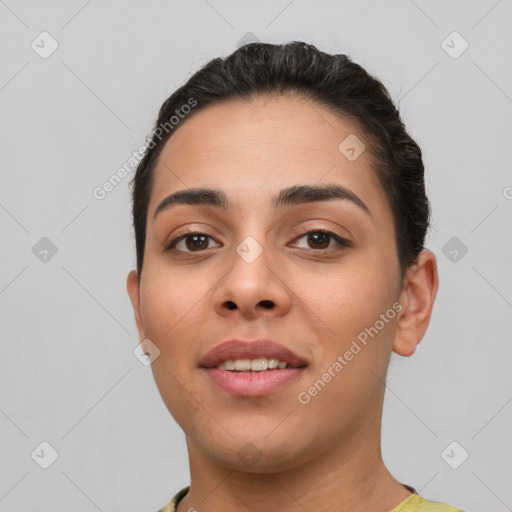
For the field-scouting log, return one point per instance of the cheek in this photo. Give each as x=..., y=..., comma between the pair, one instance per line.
x=171, y=316
x=168, y=297
x=351, y=310
x=345, y=314
x=345, y=301
x=170, y=308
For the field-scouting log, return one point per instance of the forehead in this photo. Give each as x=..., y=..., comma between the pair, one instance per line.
x=251, y=148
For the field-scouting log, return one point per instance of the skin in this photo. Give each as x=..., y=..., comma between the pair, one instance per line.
x=324, y=455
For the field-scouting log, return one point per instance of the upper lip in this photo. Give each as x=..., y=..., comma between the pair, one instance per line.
x=250, y=349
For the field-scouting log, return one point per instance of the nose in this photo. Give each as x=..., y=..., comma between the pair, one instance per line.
x=252, y=286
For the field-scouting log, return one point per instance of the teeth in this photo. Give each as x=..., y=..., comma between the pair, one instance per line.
x=228, y=365
x=259, y=365
x=256, y=365
x=242, y=365
x=273, y=363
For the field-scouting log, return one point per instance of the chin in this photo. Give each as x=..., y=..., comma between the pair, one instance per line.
x=258, y=457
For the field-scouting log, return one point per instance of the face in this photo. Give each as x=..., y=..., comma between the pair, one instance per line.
x=255, y=270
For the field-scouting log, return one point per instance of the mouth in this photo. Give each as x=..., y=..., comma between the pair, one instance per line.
x=260, y=364
x=255, y=355
x=252, y=368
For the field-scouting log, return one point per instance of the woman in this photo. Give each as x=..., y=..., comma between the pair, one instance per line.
x=280, y=215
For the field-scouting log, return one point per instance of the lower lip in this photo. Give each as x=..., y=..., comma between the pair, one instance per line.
x=253, y=383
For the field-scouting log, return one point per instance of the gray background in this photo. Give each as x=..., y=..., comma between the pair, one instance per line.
x=69, y=121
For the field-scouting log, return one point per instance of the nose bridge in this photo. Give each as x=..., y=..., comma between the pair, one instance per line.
x=250, y=262
x=252, y=243
x=250, y=283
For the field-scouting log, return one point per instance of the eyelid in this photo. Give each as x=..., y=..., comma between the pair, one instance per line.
x=341, y=241
x=178, y=237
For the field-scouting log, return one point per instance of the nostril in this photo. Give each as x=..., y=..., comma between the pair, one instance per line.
x=231, y=305
x=267, y=304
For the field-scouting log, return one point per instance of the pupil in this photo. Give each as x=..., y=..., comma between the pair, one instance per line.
x=193, y=245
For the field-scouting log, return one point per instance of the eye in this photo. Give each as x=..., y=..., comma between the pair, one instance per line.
x=192, y=240
x=196, y=241
x=321, y=239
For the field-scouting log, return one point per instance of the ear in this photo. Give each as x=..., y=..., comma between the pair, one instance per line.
x=417, y=299
x=132, y=284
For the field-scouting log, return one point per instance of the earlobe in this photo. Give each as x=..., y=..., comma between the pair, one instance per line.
x=133, y=287
x=417, y=299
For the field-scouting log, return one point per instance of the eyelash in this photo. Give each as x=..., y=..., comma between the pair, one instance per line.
x=342, y=242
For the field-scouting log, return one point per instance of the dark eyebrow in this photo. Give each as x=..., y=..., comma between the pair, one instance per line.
x=311, y=193
x=297, y=194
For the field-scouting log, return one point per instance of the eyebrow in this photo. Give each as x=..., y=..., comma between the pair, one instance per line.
x=297, y=194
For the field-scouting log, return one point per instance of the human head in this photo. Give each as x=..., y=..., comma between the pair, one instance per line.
x=334, y=81
x=251, y=142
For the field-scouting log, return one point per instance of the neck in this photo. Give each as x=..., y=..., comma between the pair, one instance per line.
x=347, y=476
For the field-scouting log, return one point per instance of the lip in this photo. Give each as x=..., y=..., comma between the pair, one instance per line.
x=241, y=349
x=255, y=383
x=252, y=383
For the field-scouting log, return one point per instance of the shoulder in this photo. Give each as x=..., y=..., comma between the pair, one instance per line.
x=435, y=506
x=417, y=503
x=414, y=503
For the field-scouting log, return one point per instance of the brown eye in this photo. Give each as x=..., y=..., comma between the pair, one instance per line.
x=321, y=239
x=192, y=242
